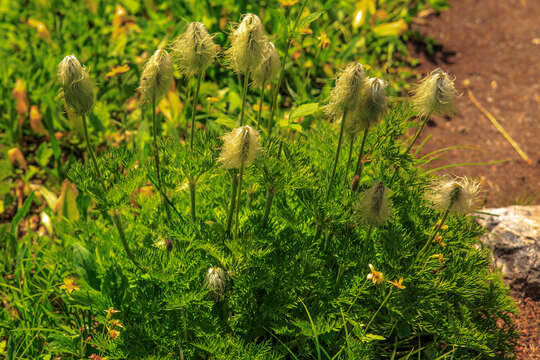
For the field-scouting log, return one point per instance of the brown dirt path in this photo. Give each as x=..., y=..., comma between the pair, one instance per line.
x=492, y=47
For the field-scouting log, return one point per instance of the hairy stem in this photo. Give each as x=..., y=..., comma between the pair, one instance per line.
x=240, y=176
x=116, y=218
x=379, y=309
x=194, y=109
x=359, y=164
x=192, y=193
x=351, y=147
x=244, y=96
x=156, y=154
x=336, y=159
x=260, y=106
x=232, y=201
x=418, y=132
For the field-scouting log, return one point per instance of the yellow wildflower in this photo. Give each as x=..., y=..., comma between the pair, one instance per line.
x=375, y=276
x=69, y=285
x=398, y=283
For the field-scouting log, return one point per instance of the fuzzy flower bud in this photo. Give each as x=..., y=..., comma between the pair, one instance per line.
x=456, y=195
x=435, y=94
x=370, y=108
x=77, y=88
x=216, y=281
x=240, y=147
x=157, y=76
x=373, y=205
x=348, y=91
x=269, y=68
x=248, y=45
x=194, y=50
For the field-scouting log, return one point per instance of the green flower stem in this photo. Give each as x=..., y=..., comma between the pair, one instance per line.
x=156, y=155
x=379, y=309
x=240, y=176
x=192, y=188
x=194, y=109
x=115, y=217
x=232, y=202
x=359, y=164
x=351, y=147
x=336, y=159
x=270, y=193
x=418, y=132
x=437, y=229
x=260, y=106
x=244, y=96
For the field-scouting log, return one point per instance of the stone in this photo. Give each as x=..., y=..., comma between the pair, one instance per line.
x=514, y=238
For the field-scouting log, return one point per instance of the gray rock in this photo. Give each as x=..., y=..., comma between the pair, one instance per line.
x=514, y=238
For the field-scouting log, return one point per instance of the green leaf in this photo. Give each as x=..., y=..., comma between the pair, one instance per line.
x=86, y=266
x=305, y=21
x=304, y=110
x=21, y=213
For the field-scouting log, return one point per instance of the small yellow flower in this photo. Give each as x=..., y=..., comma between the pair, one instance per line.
x=212, y=100
x=113, y=333
x=116, y=323
x=324, y=41
x=438, y=238
x=375, y=276
x=110, y=311
x=69, y=285
x=287, y=3
x=117, y=70
x=398, y=283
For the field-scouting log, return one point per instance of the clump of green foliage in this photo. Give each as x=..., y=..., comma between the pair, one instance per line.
x=145, y=265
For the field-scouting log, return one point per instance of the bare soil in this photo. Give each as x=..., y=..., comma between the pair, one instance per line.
x=492, y=47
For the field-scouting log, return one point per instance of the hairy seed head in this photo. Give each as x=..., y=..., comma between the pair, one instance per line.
x=435, y=95
x=77, y=88
x=269, y=68
x=194, y=50
x=248, y=45
x=459, y=195
x=348, y=90
x=157, y=76
x=240, y=147
x=373, y=205
x=216, y=281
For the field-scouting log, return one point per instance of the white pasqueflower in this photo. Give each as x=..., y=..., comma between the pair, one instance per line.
x=77, y=88
x=373, y=205
x=457, y=195
x=216, y=281
x=348, y=90
x=157, y=76
x=369, y=109
x=240, y=147
x=435, y=94
x=194, y=50
x=248, y=45
x=269, y=68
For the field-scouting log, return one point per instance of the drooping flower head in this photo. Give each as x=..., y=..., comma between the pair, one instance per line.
x=216, y=281
x=240, y=147
x=194, y=50
x=435, y=95
x=458, y=195
x=348, y=90
x=373, y=205
x=248, y=45
x=157, y=76
x=77, y=88
x=269, y=68
x=370, y=108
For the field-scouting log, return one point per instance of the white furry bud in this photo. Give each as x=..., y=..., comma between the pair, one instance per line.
x=157, y=76
x=348, y=90
x=369, y=109
x=269, y=68
x=456, y=195
x=194, y=50
x=216, y=281
x=373, y=205
x=435, y=94
x=248, y=45
x=77, y=88
x=240, y=147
